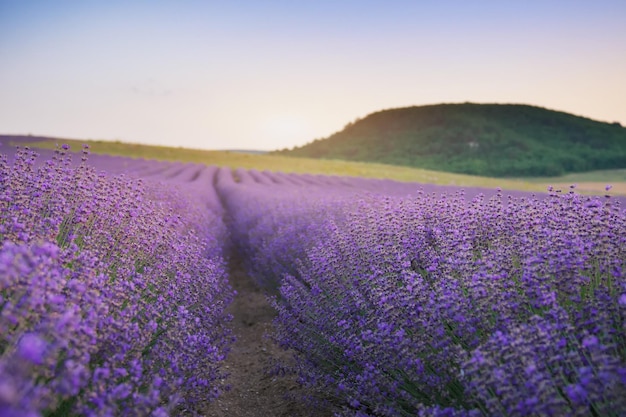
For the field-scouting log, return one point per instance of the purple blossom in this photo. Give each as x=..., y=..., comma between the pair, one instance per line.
x=32, y=348
x=440, y=305
x=93, y=272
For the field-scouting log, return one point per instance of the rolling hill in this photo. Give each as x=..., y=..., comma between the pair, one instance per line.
x=496, y=140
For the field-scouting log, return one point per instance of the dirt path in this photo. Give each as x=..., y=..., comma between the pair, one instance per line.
x=254, y=392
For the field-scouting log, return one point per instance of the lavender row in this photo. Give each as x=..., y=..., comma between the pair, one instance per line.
x=271, y=224
x=444, y=305
x=111, y=300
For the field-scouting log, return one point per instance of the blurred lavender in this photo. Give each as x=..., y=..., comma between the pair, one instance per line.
x=442, y=305
x=111, y=300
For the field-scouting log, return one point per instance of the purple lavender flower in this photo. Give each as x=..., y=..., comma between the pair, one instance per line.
x=440, y=305
x=32, y=348
x=93, y=272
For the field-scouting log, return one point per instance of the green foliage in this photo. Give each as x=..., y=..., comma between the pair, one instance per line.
x=496, y=140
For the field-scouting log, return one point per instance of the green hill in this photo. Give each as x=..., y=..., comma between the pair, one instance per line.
x=497, y=140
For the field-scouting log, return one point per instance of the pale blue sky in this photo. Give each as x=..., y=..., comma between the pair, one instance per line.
x=274, y=74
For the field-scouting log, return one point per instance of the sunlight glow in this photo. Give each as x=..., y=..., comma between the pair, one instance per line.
x=286, y=129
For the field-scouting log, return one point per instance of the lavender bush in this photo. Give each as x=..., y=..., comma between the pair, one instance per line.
x=111, y=302
x=272, y=222
x=444, y=305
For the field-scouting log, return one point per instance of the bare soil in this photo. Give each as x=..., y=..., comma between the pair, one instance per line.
x=255, y=391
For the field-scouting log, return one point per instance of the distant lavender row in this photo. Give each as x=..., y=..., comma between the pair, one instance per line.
x=271, y=224
x=269, y=211
x=201, y=177
x=443, y=305
x=111, y=298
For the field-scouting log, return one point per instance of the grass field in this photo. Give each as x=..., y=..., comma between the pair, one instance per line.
x=591, y=182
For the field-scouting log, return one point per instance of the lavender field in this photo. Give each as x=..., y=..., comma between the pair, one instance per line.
x=396, y=299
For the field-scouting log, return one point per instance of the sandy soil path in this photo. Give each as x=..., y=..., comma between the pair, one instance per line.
x=254, y=391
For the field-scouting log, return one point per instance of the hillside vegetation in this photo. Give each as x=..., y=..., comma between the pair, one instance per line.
x=495, y=140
